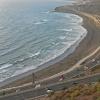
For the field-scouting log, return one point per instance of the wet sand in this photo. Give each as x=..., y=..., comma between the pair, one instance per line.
x=90, y=12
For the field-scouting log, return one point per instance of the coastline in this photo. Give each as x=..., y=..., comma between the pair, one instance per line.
x=86, y=46
x=69, y=51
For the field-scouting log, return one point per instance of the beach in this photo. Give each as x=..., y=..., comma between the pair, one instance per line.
x=89, y=11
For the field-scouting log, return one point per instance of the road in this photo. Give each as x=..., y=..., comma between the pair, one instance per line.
x=68, y=73
x=42, y=91
x=76, y=72
x=77, y=69
x=72, y=71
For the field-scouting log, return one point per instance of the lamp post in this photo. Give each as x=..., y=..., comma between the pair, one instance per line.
x=33, y=79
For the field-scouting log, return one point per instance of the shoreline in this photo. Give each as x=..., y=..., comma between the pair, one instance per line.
x=66, y=53
x=86, y=46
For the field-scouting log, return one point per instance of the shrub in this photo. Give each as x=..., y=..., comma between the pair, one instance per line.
x=2, y=93
x=75, y=94
x=98, y=98
x=98, y=87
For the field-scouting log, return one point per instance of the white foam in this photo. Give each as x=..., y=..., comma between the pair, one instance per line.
x=20, y=60
x=44, y=20
x=66, y=30
x=53, y=43
x=41, y=22
x=25, y=69
x=29, y=55
x=5, y=66
x=65, y=43
x=3, y=71
x=38, y=23
x=46, y=12
x=35, y=54
x=1, y=27
x=62, y=37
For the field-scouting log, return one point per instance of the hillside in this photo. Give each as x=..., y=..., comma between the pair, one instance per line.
x=79, y=92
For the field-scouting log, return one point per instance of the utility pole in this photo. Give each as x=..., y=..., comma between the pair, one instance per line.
x=33, y=79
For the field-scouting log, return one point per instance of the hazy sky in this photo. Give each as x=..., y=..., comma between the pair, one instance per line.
x=4, y=1
x=27, y=0
x=7, y=2
x=24, y=2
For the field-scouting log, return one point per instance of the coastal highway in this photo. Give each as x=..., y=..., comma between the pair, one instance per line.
x=76, y=72
x=25, y=95
x=91, y=63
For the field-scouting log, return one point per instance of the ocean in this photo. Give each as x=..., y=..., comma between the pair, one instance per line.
x=31, y=34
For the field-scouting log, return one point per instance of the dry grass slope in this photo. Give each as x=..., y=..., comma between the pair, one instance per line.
x=79, y=92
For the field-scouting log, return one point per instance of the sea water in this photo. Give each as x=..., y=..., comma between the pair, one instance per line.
x=31, y=34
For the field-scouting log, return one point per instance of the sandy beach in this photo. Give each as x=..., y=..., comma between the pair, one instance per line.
x=90, y=12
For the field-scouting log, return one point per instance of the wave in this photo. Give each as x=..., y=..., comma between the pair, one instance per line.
x=1, y=27
x=65, y=43
x=62, y=37
x=41, y=22
x=24, y=70
x=21, y=46
x=46, y=12
x=29, y=55
x=11, y=50
x=5, y=66
x=44, y=20
x=66, y=30
x=77, y=20
x=3, y=71
x=35, y=54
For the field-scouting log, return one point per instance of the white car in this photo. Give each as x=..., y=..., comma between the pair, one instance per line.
x=18, y=90
x=93, y=60
x=49, y=91
x=38, y=86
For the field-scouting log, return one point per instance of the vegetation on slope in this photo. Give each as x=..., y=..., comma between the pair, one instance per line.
x=79, y=92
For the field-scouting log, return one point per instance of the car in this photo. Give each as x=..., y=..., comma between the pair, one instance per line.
x=49, y=91
x=18, y=90
x=93, y=60
x=38, y=86
x=98, y=62
x=74, y=83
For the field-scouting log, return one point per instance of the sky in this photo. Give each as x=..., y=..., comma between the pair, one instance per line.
x=7, y=2
x=4, y=1
x=24, y=2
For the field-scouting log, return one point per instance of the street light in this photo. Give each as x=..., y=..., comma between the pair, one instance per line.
x=33, y=79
